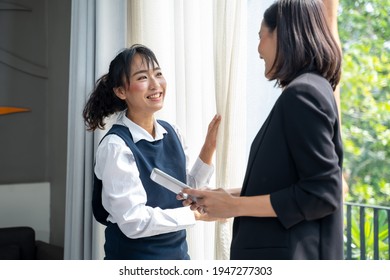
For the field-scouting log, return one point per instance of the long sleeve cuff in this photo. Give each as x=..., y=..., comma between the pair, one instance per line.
x=184, y=216
x=200, y=174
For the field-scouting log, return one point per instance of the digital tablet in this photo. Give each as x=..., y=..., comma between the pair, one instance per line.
x=168, y=182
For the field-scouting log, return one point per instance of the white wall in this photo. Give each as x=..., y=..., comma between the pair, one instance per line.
x=261, y=94
x=26, y=205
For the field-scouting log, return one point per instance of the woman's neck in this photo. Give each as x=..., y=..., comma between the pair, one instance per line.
x=144, y=121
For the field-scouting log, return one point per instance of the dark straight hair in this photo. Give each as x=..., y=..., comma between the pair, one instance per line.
x=304, y=41
x=103, y=101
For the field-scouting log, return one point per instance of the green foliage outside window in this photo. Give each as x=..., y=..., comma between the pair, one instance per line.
x=369, y=236
x=364, y=27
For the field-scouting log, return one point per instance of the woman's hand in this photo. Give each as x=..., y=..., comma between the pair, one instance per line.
x=214, y=203
x=220, y=204
x=199, y=213
x=189, y=201
x=210, y=143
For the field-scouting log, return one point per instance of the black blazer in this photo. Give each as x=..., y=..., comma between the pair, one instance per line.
x=297, y=158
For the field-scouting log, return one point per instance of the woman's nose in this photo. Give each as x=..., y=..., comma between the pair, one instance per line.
x=154, y=83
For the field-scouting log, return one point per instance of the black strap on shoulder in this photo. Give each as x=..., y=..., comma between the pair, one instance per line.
x=99, y=212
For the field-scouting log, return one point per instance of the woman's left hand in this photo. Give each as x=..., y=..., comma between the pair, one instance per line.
x=212, y=131
x=210, y=143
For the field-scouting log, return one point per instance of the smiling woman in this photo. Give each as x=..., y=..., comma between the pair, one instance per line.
x=12, y=110
x=144, y=220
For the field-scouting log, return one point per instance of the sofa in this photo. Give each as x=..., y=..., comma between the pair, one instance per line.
x=19, y=243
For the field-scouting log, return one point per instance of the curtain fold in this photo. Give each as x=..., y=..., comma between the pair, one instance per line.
x=196, y=95
x=97, y=34
x=230, y=61
x=78, y=217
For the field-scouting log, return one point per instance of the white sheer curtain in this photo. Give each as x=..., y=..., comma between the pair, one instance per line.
x=98, y=32
x=201, y=47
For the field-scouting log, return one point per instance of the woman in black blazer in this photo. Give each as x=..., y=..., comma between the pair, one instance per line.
x=290, y=204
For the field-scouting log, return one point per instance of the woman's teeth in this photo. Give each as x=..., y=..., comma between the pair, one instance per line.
x=157, y=95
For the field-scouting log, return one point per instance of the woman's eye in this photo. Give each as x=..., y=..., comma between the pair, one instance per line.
x=158, y=74
x=141, y=78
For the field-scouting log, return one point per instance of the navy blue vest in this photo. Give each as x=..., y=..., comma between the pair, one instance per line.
x=166, y=154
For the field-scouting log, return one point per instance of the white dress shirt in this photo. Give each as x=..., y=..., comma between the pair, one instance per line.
x=123, y=194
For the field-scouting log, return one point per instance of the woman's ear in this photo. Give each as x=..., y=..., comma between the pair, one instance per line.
x=120, y=92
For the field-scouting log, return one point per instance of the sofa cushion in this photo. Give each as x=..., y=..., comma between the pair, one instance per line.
x=9, y=252
x=46, y=251
x=21, y=237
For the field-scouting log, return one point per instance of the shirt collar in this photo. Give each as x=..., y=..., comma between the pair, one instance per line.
x=138, y=132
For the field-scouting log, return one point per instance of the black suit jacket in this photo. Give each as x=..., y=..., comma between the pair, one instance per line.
x=297, y=158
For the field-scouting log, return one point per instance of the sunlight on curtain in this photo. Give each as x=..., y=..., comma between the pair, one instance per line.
x=193, y=40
